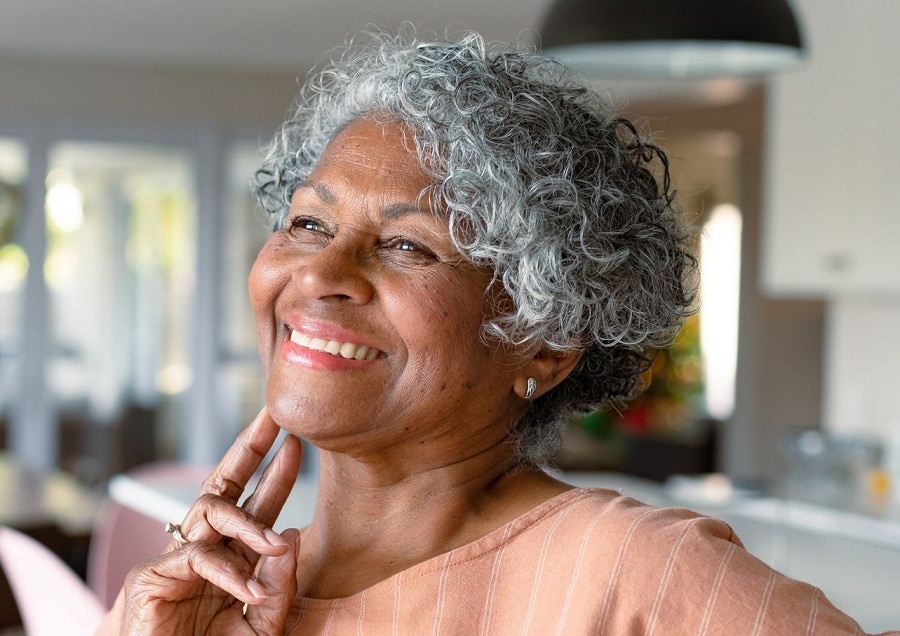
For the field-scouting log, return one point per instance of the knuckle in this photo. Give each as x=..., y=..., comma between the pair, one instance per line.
x=207, y=500
x=213, y=519
x=144, y=574
x=222, y=486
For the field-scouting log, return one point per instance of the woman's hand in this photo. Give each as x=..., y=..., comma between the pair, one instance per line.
x=233, y=556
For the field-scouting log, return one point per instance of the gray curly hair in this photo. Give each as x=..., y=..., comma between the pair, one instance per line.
x=543, y=183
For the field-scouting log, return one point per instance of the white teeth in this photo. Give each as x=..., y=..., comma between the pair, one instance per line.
x=335, y=347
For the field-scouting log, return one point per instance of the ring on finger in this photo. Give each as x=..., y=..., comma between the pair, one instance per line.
x=175, y=530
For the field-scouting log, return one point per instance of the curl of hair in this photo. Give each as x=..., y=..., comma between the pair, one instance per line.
x=568, y=205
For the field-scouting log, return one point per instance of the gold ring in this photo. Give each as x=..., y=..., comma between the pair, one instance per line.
x=175, y=530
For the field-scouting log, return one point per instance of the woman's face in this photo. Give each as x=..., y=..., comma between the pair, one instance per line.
x=369, y=320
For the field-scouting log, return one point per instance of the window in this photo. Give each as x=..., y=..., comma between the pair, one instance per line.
x=13, y=267
x=720, y=275
x=119, y=273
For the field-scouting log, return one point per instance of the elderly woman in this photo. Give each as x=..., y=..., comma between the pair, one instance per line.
x=468, y=248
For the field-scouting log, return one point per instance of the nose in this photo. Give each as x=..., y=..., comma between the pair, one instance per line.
x=338, y=272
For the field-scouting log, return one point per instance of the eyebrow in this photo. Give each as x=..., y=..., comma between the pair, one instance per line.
x=325, y=193
x=392, y=211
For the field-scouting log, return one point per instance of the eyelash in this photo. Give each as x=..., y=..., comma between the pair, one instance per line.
x=301, y=223
x=405, y=245
x=402, y=244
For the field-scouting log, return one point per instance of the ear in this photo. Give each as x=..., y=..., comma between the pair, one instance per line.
x=548, y=368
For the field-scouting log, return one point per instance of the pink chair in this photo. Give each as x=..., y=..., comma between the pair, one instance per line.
x=122, y=538
x=51, y=598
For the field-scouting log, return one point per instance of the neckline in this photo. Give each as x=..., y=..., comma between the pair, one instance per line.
x=487, y=544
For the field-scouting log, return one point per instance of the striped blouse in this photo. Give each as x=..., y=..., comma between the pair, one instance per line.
x=588, y=561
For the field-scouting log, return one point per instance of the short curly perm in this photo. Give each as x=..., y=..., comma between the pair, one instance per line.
x=543, y=183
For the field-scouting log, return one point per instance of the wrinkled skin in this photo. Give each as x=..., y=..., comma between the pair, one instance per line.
x=202, y=587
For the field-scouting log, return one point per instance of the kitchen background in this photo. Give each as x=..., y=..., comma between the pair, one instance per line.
x=129, y=132
x=145, y=120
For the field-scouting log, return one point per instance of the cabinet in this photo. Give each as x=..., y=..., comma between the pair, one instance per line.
x=831, y=206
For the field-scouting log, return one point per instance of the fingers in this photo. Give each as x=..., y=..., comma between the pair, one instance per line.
x=215, y=515
x=230, y=477
x=276, y=483
x=278, y=577
x=211, y=519
x=185, y=575
x=173, y=577
x=222, y=567
x=225, y=544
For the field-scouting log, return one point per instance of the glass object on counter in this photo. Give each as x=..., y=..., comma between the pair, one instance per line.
x=841, y=472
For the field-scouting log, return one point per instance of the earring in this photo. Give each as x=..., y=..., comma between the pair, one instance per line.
x=531, y=387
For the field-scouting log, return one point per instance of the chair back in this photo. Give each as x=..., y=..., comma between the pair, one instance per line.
x=122, y=538
x=51, y=598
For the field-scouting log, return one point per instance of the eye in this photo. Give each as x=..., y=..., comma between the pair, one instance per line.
x=406, y=245
x=410, y=247
x=300, y=224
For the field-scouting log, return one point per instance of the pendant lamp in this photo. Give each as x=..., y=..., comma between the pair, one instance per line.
x=673, y=38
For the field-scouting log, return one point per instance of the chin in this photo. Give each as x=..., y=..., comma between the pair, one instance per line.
x=285, y=408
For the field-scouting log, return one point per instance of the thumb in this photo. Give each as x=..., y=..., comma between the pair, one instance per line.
x=278, y=575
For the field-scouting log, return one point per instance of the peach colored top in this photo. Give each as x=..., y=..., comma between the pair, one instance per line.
x=588, y=561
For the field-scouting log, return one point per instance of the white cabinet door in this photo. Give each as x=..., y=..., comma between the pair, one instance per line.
x=831, y=206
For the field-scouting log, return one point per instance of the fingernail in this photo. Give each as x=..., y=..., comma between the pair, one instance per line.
x=256, y=589
x=274, y=538
x=261, y=415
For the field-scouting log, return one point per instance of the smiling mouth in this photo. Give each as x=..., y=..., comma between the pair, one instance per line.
x=336, y=347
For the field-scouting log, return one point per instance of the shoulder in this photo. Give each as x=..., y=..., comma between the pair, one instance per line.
x=639, y=566
x=601, y=534
x=612, y=516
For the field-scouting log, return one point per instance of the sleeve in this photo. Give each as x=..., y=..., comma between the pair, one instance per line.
x=622, y=567
x=710, y=581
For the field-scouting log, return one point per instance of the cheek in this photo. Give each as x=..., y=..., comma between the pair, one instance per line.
x=267, y=278
x=446, y=313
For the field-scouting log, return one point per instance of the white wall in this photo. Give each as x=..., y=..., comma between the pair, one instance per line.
x=831, y=217
x=104, y=91
x=862, y=368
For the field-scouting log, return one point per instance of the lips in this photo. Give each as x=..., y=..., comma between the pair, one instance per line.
x=336, y=348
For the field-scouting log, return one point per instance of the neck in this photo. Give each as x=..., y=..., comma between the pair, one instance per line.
x=374, y=519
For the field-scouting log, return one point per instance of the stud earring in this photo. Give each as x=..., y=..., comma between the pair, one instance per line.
x=531, y=387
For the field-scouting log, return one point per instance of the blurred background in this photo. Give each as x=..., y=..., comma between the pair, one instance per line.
x=129, y=132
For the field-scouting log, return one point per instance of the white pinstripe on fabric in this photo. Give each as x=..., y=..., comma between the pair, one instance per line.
x=395, y=621
x=492, y=584
x=536, y=583
x=614, y=575
x=362, y=613
x=664, y=580
x=576, y=570
x=764, y=604
x=442, y=590
x=331, y=614
x=813, y=610
x=714, y=592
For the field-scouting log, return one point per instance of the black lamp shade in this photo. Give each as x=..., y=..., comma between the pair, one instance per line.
x=673, y=37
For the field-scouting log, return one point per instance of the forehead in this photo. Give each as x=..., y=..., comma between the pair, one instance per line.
x=383, y=152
